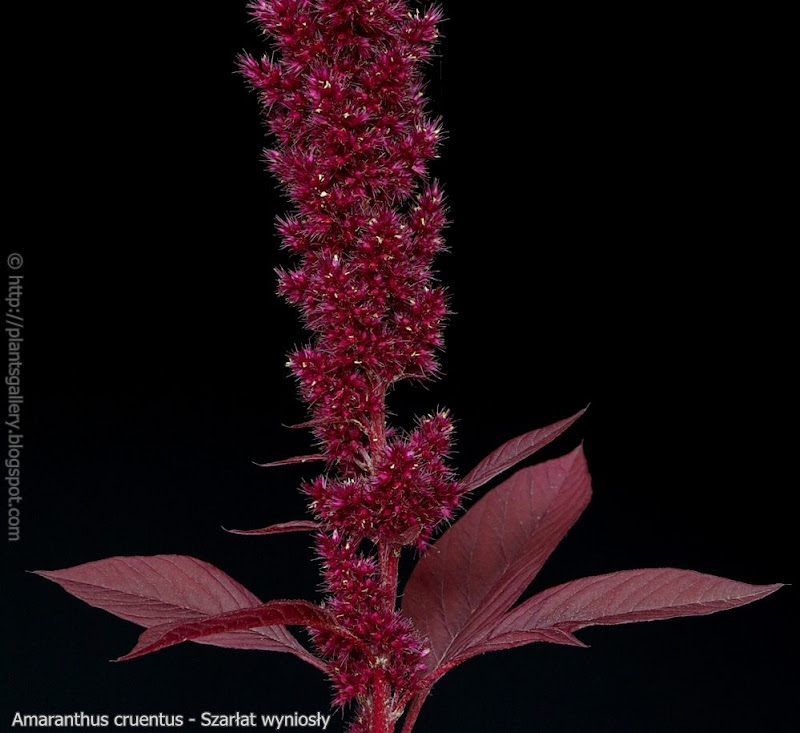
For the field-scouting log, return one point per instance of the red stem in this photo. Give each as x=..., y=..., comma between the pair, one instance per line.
x=388, y=561
x=413, y=711
x=382, y=707
x=418, y=700
x=381, y=703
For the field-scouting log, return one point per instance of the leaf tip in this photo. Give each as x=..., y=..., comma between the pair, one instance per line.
x=762, y=591
x=139, y=650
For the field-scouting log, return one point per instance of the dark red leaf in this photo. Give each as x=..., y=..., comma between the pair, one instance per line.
x=485, y=561
x=151, y=591
x=520, y=638
x=627, y=596
x=298, y=613
x=298, y=525
x=294, y=459
x=514, y=451
x=309, y=423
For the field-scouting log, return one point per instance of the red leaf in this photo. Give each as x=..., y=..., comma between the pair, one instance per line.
x=416, y=700
x=160, y=589
x=298, y=525
x=484, y=562
x=309, y=423
x=300, y=613
x=514, y=451
x=513, y=639
x=295, y=459
x=627, y=596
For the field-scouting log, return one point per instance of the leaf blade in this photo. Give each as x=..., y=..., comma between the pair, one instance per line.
x=297, y=525
x=273, y=613
x=629, y=596
x=480, y=566
x=157, y=589
x=294, y=459
x=515, y=450
x=511, y=640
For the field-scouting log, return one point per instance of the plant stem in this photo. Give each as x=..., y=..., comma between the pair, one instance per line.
x=389, y=559
x=379, y=389
x=381, y=703
x=413, y=711
x=382, y=712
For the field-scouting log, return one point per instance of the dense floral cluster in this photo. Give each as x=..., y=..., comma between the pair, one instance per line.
x=408, y=491
x=344, y=101
x=360, y=600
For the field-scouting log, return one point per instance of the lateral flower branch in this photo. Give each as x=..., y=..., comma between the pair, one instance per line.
x=343, y=95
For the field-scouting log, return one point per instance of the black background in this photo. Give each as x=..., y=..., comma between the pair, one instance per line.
x=615, y=189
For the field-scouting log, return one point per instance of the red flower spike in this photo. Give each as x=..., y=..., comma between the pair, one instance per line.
x=343, y=97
